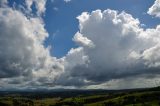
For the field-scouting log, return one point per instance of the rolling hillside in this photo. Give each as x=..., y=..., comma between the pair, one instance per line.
x=134, y=97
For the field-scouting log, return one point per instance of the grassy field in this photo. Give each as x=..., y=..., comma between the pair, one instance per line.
x=143, y=97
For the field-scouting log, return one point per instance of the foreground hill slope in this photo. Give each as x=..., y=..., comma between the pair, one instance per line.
x=133, y=97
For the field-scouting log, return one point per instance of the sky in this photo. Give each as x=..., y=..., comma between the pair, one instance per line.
x=79, y=44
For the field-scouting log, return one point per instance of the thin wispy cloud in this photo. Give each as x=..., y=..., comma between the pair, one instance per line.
x=67, y=1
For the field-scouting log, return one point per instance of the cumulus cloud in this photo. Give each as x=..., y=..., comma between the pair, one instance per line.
x=155, y=9
x=112, y=49
x=23, y=57
x=122, y=50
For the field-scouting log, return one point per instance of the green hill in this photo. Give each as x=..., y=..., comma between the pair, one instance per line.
x=134, y=97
